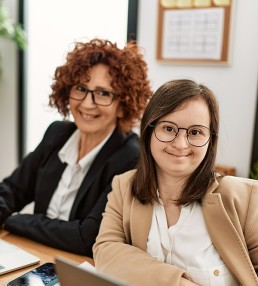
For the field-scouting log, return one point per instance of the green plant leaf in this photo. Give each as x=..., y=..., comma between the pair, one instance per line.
x=10, y=30
x=254, y=171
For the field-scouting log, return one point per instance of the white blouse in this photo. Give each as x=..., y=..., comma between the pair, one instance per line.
x=63, y=198
x=187, y=244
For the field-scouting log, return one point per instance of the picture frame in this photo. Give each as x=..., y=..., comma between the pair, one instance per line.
x=194, y=31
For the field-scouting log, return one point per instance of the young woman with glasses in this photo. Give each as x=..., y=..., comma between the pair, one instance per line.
x=173, y=220
x=69, y=174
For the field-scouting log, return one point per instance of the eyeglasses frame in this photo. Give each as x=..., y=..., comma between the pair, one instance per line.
x=186, y=129
x=87, y=90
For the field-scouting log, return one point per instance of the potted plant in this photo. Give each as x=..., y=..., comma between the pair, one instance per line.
x=254, y=171
x=10, y=30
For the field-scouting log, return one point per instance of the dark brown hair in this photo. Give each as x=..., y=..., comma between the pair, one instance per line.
x=126, y=67
x=169, y=98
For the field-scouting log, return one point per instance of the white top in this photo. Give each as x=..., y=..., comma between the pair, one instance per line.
x=62, y=200
x=187, y=244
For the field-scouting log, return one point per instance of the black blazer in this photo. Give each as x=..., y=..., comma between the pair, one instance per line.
x=37, y=178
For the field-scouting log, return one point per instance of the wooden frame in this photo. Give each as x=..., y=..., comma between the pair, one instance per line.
x=185, y=42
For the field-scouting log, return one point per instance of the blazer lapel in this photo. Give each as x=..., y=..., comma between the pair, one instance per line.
x=113, y=144
x=51, y=173
x=140, y=223
x=226, y=239
x=53, y=170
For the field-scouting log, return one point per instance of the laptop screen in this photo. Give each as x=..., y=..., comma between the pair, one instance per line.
x=70, y=274
x=13, y=257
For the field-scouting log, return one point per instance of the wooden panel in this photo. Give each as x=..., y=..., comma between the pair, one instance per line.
x=225, y=170
x=45, y=253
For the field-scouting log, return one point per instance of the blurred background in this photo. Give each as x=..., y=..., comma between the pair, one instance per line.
x=52, y=26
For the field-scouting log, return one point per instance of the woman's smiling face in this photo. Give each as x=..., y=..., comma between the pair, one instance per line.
x=178, y=158
x=92, y=119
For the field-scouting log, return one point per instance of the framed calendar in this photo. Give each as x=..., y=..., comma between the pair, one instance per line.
x=196, y=31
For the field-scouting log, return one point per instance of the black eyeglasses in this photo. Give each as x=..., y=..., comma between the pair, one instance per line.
x=167, y=131
x=99, y=96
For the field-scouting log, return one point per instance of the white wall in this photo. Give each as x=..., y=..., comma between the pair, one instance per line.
x=235, y=85
x=8, y=100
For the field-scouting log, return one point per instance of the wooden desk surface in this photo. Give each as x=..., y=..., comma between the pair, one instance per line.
x=45, y=253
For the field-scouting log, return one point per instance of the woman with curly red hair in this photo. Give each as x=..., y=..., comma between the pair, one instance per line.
x=69, y=174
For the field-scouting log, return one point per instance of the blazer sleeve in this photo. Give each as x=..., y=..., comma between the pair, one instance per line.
x=78, y=234
x=18, y=189
x=114, y=248
x=250, y=228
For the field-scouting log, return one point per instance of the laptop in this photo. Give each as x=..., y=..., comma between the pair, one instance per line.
x=71, y=274
x=13, y=257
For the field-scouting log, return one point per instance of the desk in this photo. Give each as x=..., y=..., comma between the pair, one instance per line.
x=45, y=253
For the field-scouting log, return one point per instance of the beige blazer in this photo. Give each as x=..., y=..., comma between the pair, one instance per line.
x=230, y=210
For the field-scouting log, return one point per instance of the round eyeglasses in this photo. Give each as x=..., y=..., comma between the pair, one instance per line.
x=99, y=96
x=167, y=131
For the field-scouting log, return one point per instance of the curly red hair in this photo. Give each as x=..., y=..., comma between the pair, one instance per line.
x=127, y=68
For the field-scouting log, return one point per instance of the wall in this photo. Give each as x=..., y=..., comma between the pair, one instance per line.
x=235, y=85
x=8, y=95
